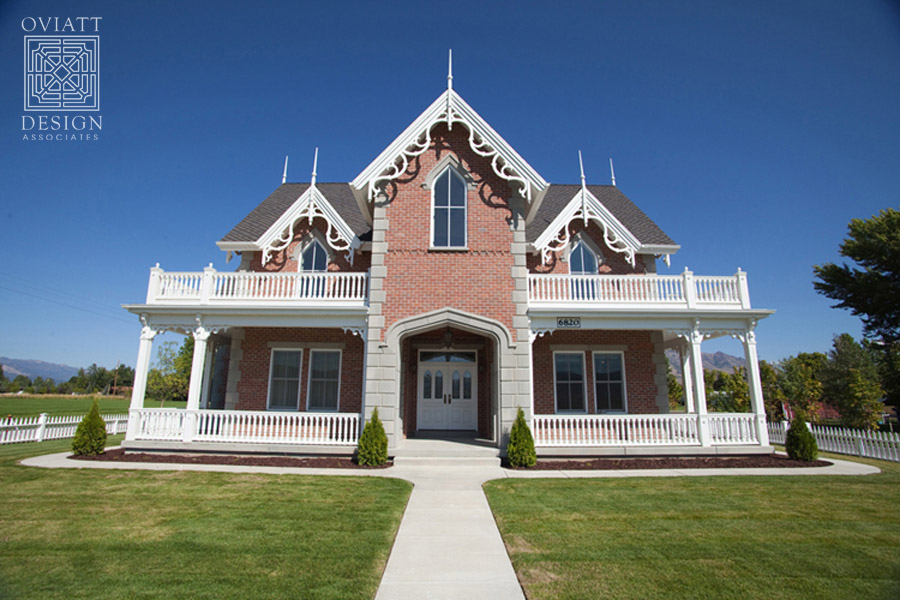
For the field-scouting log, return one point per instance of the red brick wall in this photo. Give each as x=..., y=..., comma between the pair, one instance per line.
x=419, y=280
x=287, y=260
x=410, y=381
x=640, y=387
x=254, y=382
x=613, y=263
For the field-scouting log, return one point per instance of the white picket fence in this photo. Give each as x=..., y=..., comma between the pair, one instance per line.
x=855, y=442
x=46, y=427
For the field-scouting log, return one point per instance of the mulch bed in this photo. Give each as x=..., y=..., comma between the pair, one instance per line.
x=699, y=462
x=318, y=462
x=574, y=464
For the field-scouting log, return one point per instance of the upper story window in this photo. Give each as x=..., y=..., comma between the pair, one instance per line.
x=314, y=257
x=582, y=260
x=448, y=226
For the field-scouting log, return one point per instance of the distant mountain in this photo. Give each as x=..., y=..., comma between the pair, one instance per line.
x=35, y=368
x=718, y=361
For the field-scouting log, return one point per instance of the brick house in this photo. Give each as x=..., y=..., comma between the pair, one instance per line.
x=448, y=285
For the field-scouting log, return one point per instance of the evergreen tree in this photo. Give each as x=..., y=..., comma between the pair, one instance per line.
x=800, y=444
x=90, y=437
x=520, y=450
x=850, y=383
x=372, y=448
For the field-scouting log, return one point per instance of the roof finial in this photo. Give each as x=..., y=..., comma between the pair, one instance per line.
x=612, y=172
x=583, y=191
x=449, y=89
x=284, y=174
x=315, y=163
x=450, y=69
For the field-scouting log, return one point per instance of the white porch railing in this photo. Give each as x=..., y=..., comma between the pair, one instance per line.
x=241, y=426
x=642, y=430
x=52, y=427
x=673, y=291
x=212, y=287
x=882, y=445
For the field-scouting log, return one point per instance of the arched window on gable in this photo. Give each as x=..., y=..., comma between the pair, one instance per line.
x=448, y=224
x=314, y=257
x=583, y=261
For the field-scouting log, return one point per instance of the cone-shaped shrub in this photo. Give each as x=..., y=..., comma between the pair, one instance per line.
x=520, y=450
x=90, y=437
x=800, y=442
x=371, y=451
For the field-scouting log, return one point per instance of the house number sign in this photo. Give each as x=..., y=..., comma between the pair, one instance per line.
x=568, y=322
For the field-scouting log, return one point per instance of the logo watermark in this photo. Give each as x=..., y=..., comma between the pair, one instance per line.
x=62, y=74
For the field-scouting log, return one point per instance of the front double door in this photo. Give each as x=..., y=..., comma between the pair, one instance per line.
x=447, y=391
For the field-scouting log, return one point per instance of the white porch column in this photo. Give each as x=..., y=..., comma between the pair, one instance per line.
x=141, y=367
x=699, y=387
x=757, y=403
x=687, y=378
x=201, y=336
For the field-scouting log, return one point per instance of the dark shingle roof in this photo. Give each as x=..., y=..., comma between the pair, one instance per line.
x=633, y=218
x=339, y=195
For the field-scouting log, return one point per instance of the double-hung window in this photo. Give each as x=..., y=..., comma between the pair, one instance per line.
x=568, y=377
x=609, y=381
x=448, y=227
x=324, y=380
x=313, y=259
x=284, y=379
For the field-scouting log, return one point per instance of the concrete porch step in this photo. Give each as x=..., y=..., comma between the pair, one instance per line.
x=447, y=461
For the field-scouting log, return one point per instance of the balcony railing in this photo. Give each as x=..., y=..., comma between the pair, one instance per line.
x=211, y=287
x=644, y=430
x=658, y=291
x=245, y=427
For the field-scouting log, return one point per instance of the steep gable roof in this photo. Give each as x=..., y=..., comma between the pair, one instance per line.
x=261, y=218
x=558, y=197
x=451, y=109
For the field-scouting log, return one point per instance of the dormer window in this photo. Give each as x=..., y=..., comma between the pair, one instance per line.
x=314, y=258
x=582, y=260
x=448, y=226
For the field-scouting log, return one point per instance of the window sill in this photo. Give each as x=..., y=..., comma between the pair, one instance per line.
x=448, y=248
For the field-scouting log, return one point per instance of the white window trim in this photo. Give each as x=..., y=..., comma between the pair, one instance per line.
x=465, y=245
x=337, y=407
x=583, y=386
x=597, y=409
x=312, y=237
x=299, y=379
x=591, y=246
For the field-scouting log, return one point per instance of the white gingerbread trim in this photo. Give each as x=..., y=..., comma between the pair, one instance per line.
x=449, y=108
x=585, y=206
x=311, y=204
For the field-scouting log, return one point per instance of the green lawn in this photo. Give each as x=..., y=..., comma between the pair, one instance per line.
x=31, y=406
x=142, y=534
x=704, y=537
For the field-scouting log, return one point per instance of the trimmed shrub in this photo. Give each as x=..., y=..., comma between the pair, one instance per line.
x=800, y=442
x=372, y=449
x=520, y=450
x=90, y=437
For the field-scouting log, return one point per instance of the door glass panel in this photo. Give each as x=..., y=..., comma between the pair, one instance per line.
x=426, y=385
x=438, y=384
x=467, y=385
x=456, y=385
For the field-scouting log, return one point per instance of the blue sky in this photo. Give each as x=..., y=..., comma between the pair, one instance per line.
x=751, y=132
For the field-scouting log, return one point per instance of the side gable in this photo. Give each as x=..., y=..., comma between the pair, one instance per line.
x=626, y=228
x=270, y=225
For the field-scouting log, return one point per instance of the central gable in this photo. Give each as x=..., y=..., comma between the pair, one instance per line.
x=449, y=109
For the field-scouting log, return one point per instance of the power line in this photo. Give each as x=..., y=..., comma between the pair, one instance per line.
x=64, y=295
x=87, y=310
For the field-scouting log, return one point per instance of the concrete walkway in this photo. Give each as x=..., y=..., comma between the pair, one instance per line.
x=448, y=545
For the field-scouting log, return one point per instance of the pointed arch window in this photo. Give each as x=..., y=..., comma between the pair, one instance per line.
x=582, y=260
x=448, y=225
x=314, y=258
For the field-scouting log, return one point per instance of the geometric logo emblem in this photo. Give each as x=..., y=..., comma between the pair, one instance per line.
x=62, y=73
